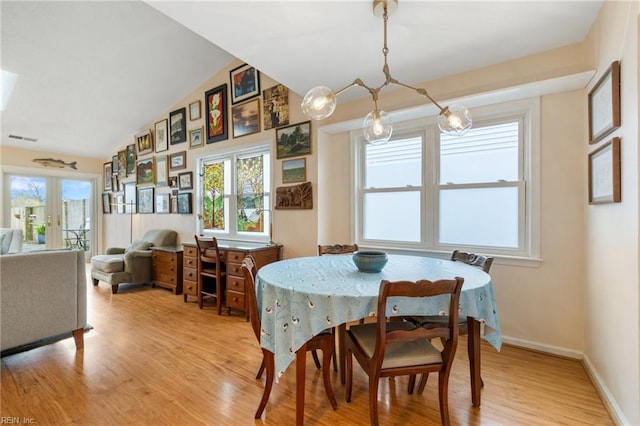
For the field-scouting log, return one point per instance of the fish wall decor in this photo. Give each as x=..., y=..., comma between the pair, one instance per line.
x=50, y=162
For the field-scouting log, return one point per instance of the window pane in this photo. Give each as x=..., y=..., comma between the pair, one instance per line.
x=483, y=216
x=213, y=192
x=397, y=163
x=393, y=216
x=250, y=196
x=485, y=154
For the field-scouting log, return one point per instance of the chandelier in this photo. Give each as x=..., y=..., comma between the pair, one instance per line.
x=320, y=102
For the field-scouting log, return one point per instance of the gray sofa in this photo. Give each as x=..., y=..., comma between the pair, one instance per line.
x=44, y=298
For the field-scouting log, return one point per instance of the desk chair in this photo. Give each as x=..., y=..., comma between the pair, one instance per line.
x=212, y=276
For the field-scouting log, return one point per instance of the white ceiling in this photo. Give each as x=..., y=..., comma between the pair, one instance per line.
x=92, y=73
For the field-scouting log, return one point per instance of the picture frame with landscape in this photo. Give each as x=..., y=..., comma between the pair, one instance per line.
x=275, y=107
x=294, y=170
x=293, y=140
x=145, y=171
x=131, y=159
x=178, y=160
x=246, y=118
x=145, y=200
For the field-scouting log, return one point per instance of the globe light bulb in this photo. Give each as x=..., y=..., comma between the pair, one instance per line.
x=377, y=127
x=319, y=103
x=455, y=120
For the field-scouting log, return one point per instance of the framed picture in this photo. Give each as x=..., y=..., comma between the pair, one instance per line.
x=216, y=110
x=107, y=170
x=130, y=205
x=144, y=142
x=185, y=180
x=131, y=159
x=163, y=203
x=162, y=171
x=145, y=200
x=275, y=107
x=106, y=203
x=246, y=118
x=604, y=173
x=162, y=143
x=294, y=170
x=196, y=137
x=294, y=197
x=114, y=182
x=119, y=203
x=173, y=182
x=114, y=165
x=604, y=104
x=122, y=163
x=245, y=83
x=294, y=140
x=194, y=111
x=178, y=160
x=178, y=126
x=145, y=171
x=184, y=203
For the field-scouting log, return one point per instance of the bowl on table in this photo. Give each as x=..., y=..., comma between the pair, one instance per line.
x=370, y=260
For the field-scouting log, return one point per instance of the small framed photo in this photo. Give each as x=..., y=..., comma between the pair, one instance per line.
x=245, y=83
x=122, y=163
x=178, y=160
x=184, y=202
x=107, y=171
x=194, y=111
x=162, y=171
x=130, y=205
x=604, y=173
x=178, y=126
x=163, y=203
x=114, y=164
x=144, y=142
x=173, y=182
x=162, y=143
x=119, y=203
x=246, y=118
x=145, y=200
x=216, y=110
x=131, y=159
x=185, y=180
x=275, y=107
x=106, y=203
x=604, y=104
x=294, y=170
x=294, y=140
x=145, y=171
x=115, y=182
x=196, y=137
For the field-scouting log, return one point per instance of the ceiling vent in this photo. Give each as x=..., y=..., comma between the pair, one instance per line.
x=23, y=138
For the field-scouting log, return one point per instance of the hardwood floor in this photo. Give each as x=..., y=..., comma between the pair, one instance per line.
x=153, y=359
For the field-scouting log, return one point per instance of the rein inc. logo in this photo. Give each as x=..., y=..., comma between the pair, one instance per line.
x=7, y=420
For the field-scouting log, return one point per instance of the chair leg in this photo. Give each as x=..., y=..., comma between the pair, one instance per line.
x=261, y=369
x=412, y=384
x=335, y=354
x=443, y=395
x=114, y=289
x=269, y=362
x=328, y=346
x=348, y=374
x=316, y=360
x=219, y=297
x=473, y=349
x=423, y=382
x=78, y=337
x=373, y=400
x=301, y=357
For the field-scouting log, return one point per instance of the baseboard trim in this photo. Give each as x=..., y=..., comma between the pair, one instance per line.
x=608, y=400
x=547, y=349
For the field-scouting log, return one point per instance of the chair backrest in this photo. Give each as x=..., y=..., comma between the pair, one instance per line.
x=337, y=249
x=473, y=259
x=208, y=250
x=423, y=288
x=249, y=271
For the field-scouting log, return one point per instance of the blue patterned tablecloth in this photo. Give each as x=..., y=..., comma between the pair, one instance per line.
x=300, y=297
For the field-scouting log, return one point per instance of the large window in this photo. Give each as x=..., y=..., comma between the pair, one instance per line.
x=424, y=190
x=234, y=194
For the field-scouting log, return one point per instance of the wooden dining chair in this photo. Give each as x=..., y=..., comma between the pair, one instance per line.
x=389, y=348
x=323, y=341
x=212, y=276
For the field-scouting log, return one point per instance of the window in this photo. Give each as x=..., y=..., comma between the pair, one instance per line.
x=234, y=190
x=429, y=191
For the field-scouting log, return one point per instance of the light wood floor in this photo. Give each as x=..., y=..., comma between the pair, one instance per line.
x=152, y=359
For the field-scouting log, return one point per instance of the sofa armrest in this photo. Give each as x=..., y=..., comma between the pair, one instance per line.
x=115, y=250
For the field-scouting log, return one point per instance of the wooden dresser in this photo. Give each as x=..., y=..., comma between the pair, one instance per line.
x=233, y=253
x=167, y=268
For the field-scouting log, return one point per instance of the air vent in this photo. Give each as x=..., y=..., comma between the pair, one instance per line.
x=23, y=138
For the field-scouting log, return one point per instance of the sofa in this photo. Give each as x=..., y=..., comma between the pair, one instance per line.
x=133, y=264
x=10, y=240
x=44, y=298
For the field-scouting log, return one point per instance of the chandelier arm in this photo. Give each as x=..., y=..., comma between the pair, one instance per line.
x=356, y=82
x=420, y=91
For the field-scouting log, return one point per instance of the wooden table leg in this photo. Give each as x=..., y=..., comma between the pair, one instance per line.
x=301, y=363
x=473, y=348
x=342, y=330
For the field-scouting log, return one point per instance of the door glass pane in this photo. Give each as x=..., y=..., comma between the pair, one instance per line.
x=76, y=214
x=29, y=209
x=393, y=216
x=395, y=164
x=480, y=216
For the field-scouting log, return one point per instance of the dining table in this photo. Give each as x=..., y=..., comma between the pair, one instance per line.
x=300, y=297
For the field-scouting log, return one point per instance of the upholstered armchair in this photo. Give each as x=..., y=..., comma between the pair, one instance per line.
x=132, y=264
x=10, y=240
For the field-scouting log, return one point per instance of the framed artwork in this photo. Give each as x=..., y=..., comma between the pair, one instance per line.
x=604, y=173
x=185, y=180
x=107, y=170
x=294, y=140
x=294, y=170
x=178, y=160
x=106, y=203
x=119, y=203
x=114, y=182
x=145, y=200
x=216, y=110
x=162, y=171
x=246, y=118
x=130, y=205
x=178, y=126
x=163, y=203
x=196, y=137
x=194, y=111
x=245, y=83
x=131, y=159
x=275, y=107
x=161, y=136
x=114, y=164
x=184, y=203
x=144, y=142
x=173, y=182
x=122, y=163
x=294, y=197
x=604, y=104
x=145, y=171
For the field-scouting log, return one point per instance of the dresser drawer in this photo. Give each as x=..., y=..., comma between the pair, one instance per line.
x=235, y=284
x=167, y=268
x=235, y=300
x=166, y=278
x=190, y=288
x=191, y=262
x=234, y=269
x=235, y=256
x=190, y=251
x=190, y=274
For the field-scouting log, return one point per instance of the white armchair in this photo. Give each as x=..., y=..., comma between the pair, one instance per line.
x=10, y=240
